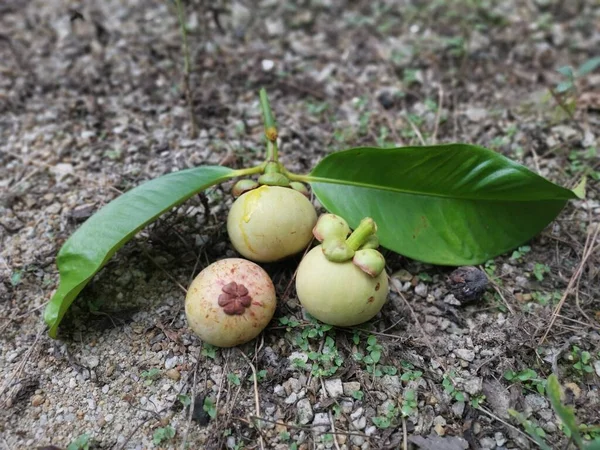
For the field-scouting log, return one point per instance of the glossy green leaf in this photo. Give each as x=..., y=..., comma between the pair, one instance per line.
x=97, y=240
x=450, y=204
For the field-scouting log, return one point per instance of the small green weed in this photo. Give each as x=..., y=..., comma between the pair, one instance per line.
x=450, y=389
x=81, y=443
x=529, y=379
x=210, y=407
x=540, y=270
x=518, y=254
x=150, y=375
x=582, y=361
x=163, y=434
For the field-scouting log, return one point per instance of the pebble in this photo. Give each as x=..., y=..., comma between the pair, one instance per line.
x=110, y=370
x=371, y=430
x=292, y=385
x=597, y=367
x=458, y=409
x=356, y=414
x=305, y=411
x=292, y=398
x=37, y=400
x=279, y=390
x=172, y=362
x=321, y=422
x=421, y=290
x=357, y=440
x=465, y=354
x=487, y=443
x=536, y=402
x=347, y=406
x=267, y=65
x=392, y=385
x=500, y=439
x=173, y=374
x=473, y=386
x=403, y=275
x=351, y=387
x=334, y=387
x=360, y=423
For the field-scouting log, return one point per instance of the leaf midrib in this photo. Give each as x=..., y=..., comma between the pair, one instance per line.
x=312, y=179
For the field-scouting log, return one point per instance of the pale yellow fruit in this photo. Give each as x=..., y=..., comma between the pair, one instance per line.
x=336, y=293
x=230, y=302
x=271, y=223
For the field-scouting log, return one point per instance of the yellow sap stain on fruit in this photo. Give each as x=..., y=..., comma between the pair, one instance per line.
x=251, y=202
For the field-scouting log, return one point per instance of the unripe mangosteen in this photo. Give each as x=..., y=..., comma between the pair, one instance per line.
x=339, y=293
x=230, y=302
x=271, y=223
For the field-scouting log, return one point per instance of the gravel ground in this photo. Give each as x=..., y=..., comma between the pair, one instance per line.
x=91, y=107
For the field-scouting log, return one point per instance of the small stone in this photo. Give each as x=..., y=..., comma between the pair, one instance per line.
x=347, y=406
x=292, y=385
x=487, y=443
x=171, y=362
x=356, y=414
x=109, y=417
x=473, y=386
x=392, y=385
x=536, y=402
x=92, y=362
x=402, y=275
x=334, y=387
x=458, y=409
x=351, y=387
x=476, y=114
x=321, y=421
x=292, y=398
x=371, y=430
x=439, y=429
x=37, y=400
x=550, y=427
x=500, y=439
x=357, y=440
x=110, y=370
x=305, y=412
x=597, y=367
x=465, y=354
x=279, y=390
x=72, y=383
x=360, y=423
x=421, y=290
x=173, y=374
x=267, y=65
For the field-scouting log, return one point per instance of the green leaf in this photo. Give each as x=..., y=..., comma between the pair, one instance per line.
x=594, y=445
x=566, y=414
x=589, y=66
x=97, y=240
x=452, y=204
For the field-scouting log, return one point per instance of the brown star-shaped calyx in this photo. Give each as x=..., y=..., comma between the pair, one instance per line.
x=234, y=299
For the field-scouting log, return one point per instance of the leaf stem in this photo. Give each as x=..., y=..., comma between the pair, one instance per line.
x=186, y=69
x=250, y=171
